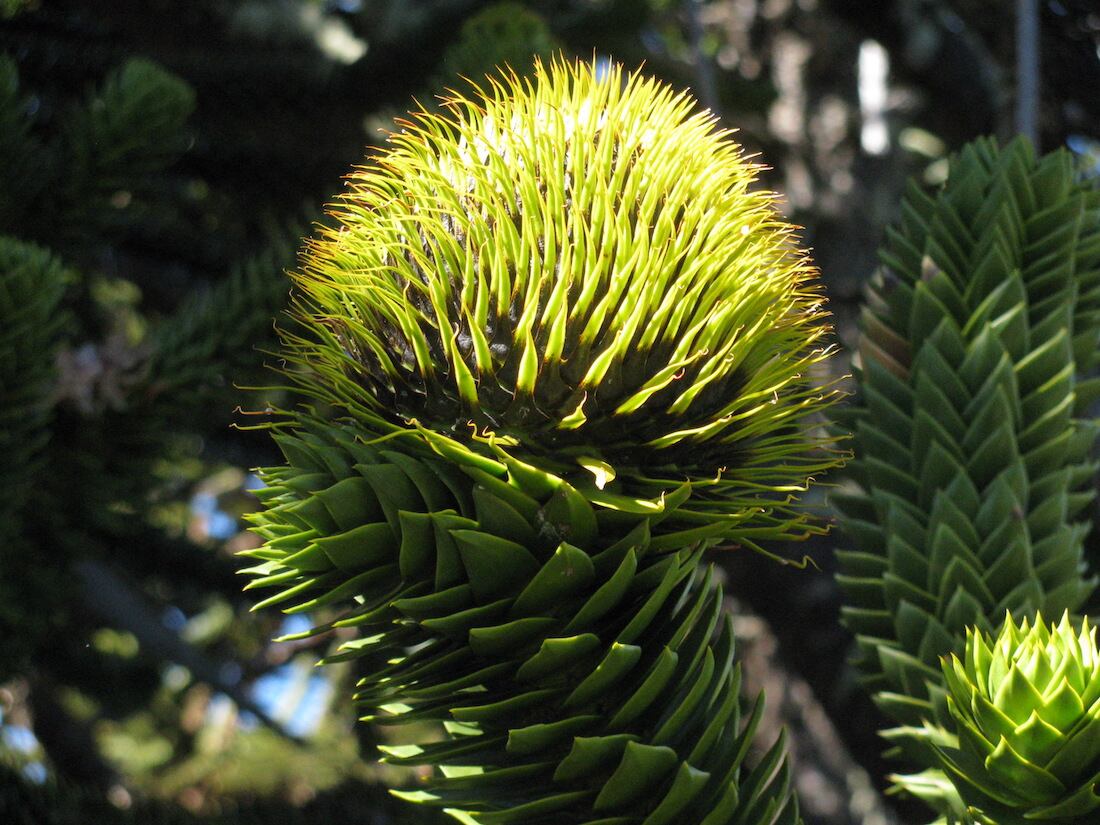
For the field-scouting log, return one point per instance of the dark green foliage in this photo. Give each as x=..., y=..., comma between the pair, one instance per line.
x=94, y=385
x=31, y=321
x=88, y=179
x=971, y=449
x=79, y=190
x=21, y=181
x=503, y=35
x=214, y=338
x=578, y=660
x=124, y=367
x=128, y=129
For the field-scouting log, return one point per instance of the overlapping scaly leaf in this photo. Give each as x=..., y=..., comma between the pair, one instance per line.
x=575, y=654
x=971, y=451
x=1026, y=704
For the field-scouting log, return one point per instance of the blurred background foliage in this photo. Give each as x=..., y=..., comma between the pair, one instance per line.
x=159, y=163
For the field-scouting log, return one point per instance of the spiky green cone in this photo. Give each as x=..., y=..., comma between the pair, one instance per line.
x=1026, y=705
x=572, y=350
x=577, y=274
x=971, y=455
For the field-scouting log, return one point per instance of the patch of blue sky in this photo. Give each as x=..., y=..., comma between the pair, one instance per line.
x=203, y=504
x=309, y=714
x=35, y=772
x=269, y=688
x=1087, y=150
x=219, y=710
x=296, y=623
x=19, y=738
x=220, y=525
x=173, y=618
x=295, y=695
x=247, y=720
